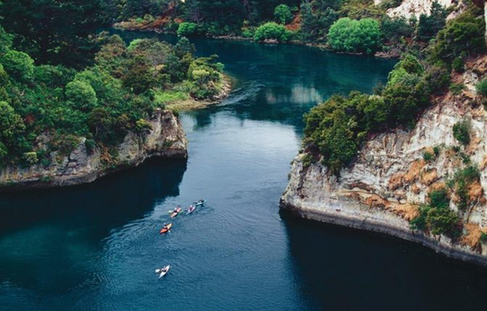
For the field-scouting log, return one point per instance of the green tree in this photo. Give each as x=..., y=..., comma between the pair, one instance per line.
x=187, y=29
x=53, y=31
x=270, y=31
x=363, y=36
x=282, y=14
x=11, y=125
x=82, y=95
x=429, y=25
x=19, y=65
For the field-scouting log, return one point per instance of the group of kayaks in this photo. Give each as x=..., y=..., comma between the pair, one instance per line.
x=167, y=228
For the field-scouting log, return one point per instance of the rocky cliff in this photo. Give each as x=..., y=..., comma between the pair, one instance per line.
x=165, y=139
x=390, y=179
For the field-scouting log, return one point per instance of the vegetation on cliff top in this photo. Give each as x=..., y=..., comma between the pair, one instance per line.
x=337, y=128
x=45, y=108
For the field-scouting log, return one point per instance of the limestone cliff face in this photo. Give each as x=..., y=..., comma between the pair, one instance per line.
x=410, y=8
x=166, y=139
x=382, y=190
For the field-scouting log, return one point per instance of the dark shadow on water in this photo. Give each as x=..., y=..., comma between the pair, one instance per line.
x=108, y=202
x=339, y=268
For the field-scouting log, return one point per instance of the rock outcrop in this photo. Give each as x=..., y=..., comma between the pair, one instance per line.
x=165, y=139
x=390, y=178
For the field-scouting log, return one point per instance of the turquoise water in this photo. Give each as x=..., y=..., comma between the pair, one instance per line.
x=95, y=247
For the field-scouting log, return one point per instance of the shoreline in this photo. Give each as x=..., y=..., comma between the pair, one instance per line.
x=345, y=219
x=321, y=46
x=166, y=140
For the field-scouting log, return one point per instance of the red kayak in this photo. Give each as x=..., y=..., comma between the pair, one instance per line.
x=166, y=229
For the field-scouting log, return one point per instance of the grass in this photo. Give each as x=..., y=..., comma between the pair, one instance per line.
x=164, y=97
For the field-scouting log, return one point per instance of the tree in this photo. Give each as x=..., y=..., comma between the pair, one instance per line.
x=282, y=14
x=187, y=29
x=81, y=95
x=139, y=75
x=19, y=65
x=270, y=31
x=429, y=26
x=53, y=31
x=11, y=125
x=363, y=36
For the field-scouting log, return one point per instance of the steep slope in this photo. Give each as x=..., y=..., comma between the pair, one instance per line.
x=165, y=139
x=384, y=188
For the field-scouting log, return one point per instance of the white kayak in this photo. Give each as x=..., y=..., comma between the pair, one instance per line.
x=190, y=210
x=163, y=271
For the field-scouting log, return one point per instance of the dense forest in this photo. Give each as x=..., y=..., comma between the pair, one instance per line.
x=61, y=83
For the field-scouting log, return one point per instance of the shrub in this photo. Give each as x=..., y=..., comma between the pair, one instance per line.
x=429, y=25
x=428, y=156
x=81, y=94
x=142, y=126
x=461, y=132
x=31, y=157
x=462, y=35
x=458, y=65
x=395, y=28
x=19, y=65
x=457, y=88
x=187, y=29
x=283, y=14
x=271, y=31
x=363, y=36
x=439, y=198
x=482, y=87
x=442, y=221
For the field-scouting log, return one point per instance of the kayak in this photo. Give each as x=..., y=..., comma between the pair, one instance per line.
x=163, y=271
x=166, y=229
x=200, y=203
x=190, y=210
x=176, y=212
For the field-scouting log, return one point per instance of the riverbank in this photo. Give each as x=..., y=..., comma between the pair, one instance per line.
x=392, y=52
x=193, y=104
x=165, y=139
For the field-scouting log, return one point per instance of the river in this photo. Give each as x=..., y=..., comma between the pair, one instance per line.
x=95, y=247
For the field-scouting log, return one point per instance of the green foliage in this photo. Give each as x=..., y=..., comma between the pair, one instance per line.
x=271, y=31
x=19, y=65
x=395, y=28
x=187, y=29
x=363, y=36
x=482, y=87
x=464, y=35
x=461, y=132
x=457, y=88
x=55, y=32
x=428, y=156
x=11, y=127
x=439, y=198
x=429, y=25
x=437, y=217
x=282, y=14
x=458, y=64
x=81, y=95
x=31, y=157
x=142, y=126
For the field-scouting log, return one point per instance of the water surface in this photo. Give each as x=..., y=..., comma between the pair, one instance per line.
x=95, y=247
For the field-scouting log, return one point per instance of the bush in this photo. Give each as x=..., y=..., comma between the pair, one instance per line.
x=270, y=31
x=428, y=156
x=82, y=95
x=462, y=35
x=31, y=157
x=19, y=65
x=439, y=198
x=142, y=126
x=482, y=87
x=363, y=36
x=283, y=14
x=429, y=25
x=461, y=132
x=396, y=28
x=187, y=29
x=458, y=65
x=457, y=88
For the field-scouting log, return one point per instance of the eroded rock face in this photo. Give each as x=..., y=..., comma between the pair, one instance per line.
x=390, y=179
x=166, y=139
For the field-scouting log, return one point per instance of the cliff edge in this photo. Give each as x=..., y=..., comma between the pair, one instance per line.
x=165, y=139
x=384, y=189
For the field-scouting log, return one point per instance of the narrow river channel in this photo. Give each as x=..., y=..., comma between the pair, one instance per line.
x=95, y=247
